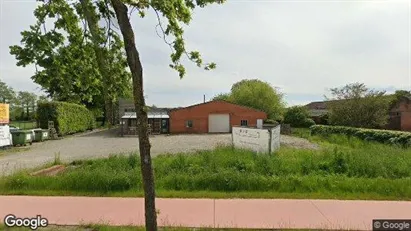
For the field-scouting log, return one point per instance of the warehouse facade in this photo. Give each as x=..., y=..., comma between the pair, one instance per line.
x=213, y=117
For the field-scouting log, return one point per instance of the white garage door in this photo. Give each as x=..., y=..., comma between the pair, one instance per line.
x=218, y=123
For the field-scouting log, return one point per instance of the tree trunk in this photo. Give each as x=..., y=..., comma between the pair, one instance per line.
x=136, y=68
x=92, y=22
x=104, y=118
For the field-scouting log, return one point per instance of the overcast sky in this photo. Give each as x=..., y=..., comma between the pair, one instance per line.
x=301, y=47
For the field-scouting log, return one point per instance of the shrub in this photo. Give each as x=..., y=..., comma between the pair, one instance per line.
x=382, y=136
x=323, y=119
x=298, y=117
x=308, y=123
x=68, y=118
x=270, y=121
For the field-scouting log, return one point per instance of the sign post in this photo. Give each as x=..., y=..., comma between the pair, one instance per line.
x=5, y=136
x=4, y=113
x=258, y=140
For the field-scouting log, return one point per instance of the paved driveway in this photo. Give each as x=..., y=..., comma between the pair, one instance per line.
x=104, y=143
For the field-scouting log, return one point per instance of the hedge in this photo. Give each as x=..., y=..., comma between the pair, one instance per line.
x=382, y=136
x=68, y=118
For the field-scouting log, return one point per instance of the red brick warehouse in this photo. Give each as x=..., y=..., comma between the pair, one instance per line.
x=213, y=117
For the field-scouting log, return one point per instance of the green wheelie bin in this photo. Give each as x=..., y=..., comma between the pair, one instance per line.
x=21, y=137
x=40, y=135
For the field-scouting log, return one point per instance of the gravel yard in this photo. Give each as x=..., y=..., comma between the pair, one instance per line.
x=104, y=143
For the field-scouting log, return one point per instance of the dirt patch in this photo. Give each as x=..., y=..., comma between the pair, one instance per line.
x=52, y=171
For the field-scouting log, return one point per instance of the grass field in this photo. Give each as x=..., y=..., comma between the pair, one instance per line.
x=301, y=132
x=24, y=124
x=343, y=168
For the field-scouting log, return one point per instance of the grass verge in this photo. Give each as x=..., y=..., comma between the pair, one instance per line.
x=344, y=168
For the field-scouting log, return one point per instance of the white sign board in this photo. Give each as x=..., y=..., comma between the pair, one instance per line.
x=251, y=138
x=275, y=138
x=5, y=136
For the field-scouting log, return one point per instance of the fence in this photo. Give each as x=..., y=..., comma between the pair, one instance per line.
x=258, y=140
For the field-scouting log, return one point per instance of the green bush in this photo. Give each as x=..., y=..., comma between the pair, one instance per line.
x=382, y=136
x=68, y=118
x=298, y=116
x=270, y=121
x=308, y=123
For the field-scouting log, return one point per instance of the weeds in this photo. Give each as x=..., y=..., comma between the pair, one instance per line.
x=57, y=160
x=343, y=166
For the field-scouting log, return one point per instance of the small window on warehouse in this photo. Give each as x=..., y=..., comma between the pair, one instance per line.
x=244, y=123
x=189, y=123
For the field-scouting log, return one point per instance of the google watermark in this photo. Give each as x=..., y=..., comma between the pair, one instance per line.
x=33, y=223
x=388, y=225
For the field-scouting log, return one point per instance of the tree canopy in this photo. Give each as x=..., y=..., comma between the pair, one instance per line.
x=298, y=116
x=70, y=67
x=356, y=105
x=64, y=55
x=7, y=94
x=175, y=12
x=27, y=101
x=256, y=94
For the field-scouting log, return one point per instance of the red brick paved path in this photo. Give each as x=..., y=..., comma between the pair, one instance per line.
x=220, y=213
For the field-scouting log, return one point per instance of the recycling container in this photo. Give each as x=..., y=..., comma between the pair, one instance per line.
x=40, y=135
x=22, y=137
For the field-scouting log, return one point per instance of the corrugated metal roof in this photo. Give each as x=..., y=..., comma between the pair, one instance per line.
x=150, y=115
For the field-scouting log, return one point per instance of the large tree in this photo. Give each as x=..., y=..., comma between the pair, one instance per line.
x=222, y=96
x=7, y=94
x=69, y=69
x=356, y=105
x=66, y=59
x=176, y=12
x=24, y=104
x=298, y=116
x=256, y=94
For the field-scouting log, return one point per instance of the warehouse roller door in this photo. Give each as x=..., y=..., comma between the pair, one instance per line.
x=219, y=123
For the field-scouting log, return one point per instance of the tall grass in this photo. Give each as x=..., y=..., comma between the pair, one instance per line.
x=301, y=132
x=343, y=165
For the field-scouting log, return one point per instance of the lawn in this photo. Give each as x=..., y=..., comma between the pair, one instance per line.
x=344, y=168
x=24, y=125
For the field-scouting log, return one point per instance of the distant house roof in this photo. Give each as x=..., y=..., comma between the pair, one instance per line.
x=320, y=107
x=317, y=105
x=319, y=112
